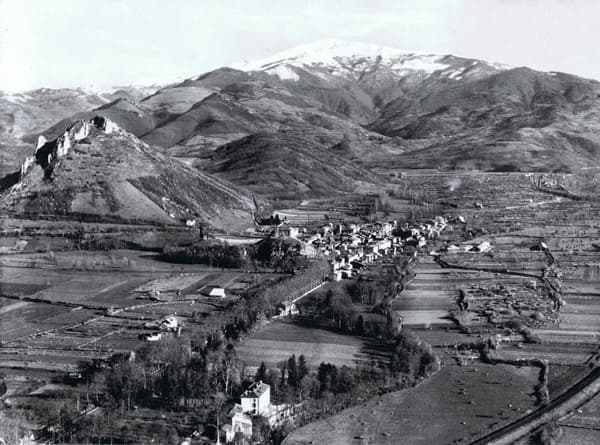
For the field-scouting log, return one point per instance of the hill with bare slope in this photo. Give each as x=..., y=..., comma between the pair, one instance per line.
x=287, y=166
x=518, y=119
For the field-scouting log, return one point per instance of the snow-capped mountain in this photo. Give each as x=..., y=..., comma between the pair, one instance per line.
x=352, y=60
x=323, y=117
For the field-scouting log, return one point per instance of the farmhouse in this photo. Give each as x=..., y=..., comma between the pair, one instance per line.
x=483, y=247
x=217, y=292
x=169, y=323
x=157, y=336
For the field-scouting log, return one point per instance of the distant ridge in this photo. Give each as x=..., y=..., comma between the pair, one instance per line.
x=371, y=108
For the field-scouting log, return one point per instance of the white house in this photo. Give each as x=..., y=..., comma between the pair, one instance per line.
x=288, y=231
x=217, y=292
x=154, y=337
x=256, y=399
x=483, y=247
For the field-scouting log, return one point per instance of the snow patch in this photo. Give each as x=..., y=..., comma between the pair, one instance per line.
x=426, y=63
x=454, y=74
x=284, y=72
x=500, y=66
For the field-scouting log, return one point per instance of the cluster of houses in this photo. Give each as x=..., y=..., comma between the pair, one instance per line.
x=353, y=245
x=255, y=401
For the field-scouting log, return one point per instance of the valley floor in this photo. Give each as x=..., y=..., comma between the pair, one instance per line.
x=59, y=308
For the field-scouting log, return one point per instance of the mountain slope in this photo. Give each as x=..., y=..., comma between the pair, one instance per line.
x=34, y=111
x=287, y=166
x=380, y=73
x=449, y=112
x=124, y=112
x=214, y=116
x=95, y=168
x=379, y=108
x=25, y=115
x=518, y=119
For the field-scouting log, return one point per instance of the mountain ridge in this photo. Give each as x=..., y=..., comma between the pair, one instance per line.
x=379, y=108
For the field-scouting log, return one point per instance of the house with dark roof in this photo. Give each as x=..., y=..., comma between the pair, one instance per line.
x=256, y=399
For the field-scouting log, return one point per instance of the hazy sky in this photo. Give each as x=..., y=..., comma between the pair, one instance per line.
x=100, y=43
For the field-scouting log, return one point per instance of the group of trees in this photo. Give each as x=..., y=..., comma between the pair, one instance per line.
x=289, y=287
x=412, y=358
x=162, y=373
x=336, y=308
x=332, y=388
x=185, y=373
x=277, y=254
x=343, y=306
x=361, y=306
x=280, y=254
x=212, y=253
x=292, y=381
x=164, y=376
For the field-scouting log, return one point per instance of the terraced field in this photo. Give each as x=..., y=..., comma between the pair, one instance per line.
x=53, y=317
x=535, y=304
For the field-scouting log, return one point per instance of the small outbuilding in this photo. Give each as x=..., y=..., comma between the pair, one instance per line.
x=217, y=292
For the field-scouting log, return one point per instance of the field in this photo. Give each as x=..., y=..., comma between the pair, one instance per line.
x=535, y=304
x=510, y=283
x=53, y=316
x=279, y=340
x=581, y=427
x=577, y=436
x=466, y=402
x=425, y=300
x=530, y=303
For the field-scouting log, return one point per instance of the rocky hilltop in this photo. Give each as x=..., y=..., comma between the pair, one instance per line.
x=97, y=170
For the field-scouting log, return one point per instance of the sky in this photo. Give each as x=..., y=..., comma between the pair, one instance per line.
x=99, y=44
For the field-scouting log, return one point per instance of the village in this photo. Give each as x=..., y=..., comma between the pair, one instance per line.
x=349, y=247
x=352, y=245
